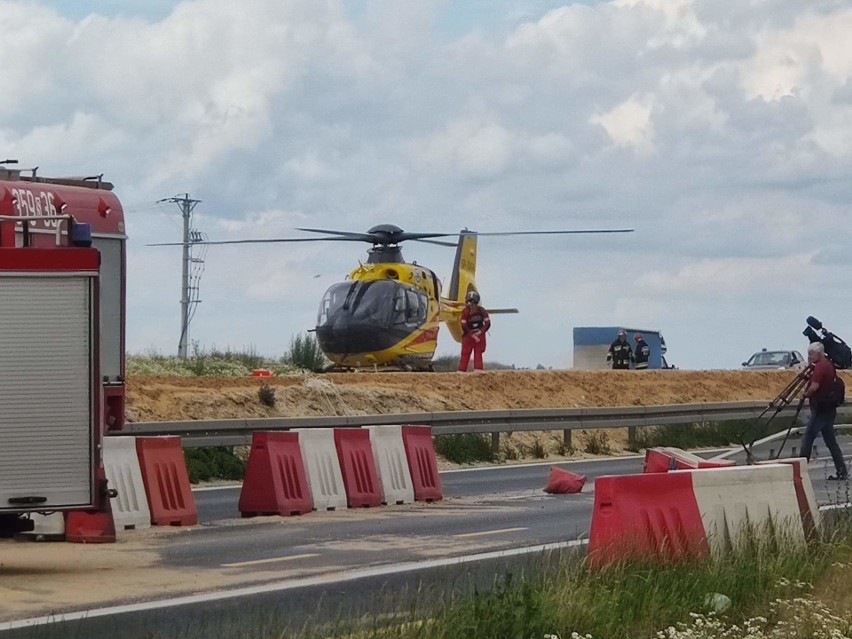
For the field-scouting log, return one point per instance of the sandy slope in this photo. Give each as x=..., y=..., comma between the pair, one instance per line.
x=175, y=398
x=180, y=398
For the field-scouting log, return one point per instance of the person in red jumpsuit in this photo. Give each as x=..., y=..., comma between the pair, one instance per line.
x=475, y=323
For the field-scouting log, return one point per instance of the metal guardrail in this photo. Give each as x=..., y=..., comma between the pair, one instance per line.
x=237, y=432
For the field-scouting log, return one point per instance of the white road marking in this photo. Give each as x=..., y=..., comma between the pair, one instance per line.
x=209, y=488
x=489, y=532
x=544, y=463
x=272, y=560
x=845, y=506
x=293, y=584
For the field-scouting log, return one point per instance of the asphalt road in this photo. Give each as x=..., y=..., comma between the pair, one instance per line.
x=324, y=566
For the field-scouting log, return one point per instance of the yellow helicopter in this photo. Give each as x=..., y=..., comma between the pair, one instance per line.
x=388, y=311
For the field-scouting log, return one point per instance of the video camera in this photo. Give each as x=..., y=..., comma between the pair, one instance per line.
x=836, y=349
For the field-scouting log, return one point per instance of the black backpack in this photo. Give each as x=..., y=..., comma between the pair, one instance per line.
x=836, y=393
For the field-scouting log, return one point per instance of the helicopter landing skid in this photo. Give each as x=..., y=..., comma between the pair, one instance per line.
x=385, y=368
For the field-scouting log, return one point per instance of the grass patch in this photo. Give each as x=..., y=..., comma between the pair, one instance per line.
x=597, y=443
x=464, y=448
x=450, y=363
x=708, y=434
x=640, y=600
x=561, y=447
x=537, y=449
x=303, y=354
x=218, y=462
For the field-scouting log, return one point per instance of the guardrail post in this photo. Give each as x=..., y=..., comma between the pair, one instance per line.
x=631, y=437
x=495, y=444
x=566, y=437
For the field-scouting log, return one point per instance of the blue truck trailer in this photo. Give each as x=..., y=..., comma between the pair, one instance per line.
x=591, y=344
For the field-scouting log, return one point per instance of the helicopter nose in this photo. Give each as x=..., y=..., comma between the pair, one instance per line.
x=345, y=337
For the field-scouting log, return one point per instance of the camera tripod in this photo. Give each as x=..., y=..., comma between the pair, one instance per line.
x=795, y=389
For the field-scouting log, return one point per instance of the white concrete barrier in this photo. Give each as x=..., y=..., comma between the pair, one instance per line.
x=733, y=500
x=808, y=506
x=123, y=473
x=319, y=454
x=392, y=464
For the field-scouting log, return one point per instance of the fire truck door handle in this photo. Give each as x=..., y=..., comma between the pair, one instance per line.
x=30, y=499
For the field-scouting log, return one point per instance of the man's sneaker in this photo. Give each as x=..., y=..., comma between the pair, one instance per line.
x=839, y=477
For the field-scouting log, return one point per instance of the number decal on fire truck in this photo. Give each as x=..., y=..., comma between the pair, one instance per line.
x=35, y=205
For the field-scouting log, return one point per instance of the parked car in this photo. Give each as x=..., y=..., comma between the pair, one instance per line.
x=765, y=360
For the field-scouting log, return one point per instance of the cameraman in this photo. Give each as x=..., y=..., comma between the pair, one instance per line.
x=823, y=410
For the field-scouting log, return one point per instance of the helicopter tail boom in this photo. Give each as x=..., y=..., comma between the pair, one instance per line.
x=463, y=281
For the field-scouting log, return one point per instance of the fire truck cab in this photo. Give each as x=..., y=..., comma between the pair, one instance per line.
x=62, y=307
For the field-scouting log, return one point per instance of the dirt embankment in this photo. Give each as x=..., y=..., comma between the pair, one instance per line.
x=180, y=398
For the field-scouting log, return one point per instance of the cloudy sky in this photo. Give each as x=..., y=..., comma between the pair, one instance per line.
x=720, y=130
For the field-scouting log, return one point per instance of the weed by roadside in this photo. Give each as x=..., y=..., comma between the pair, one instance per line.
x=218, y=462
x=304, y=354
x=708, y=434
x=768, y=587
x=561, y=447
x=597, y=443
x=266, y=395
x=537, y=449
x=464, y=448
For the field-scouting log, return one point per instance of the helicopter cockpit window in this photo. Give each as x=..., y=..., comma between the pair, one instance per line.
x=378, y=303
x=416, y=305
x=333, y=300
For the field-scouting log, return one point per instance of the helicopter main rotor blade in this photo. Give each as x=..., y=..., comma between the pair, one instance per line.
x=578, y=232
x=274, y=240
x=382, y=234
x=384, y=237
x=355, y=237
x=438, y=242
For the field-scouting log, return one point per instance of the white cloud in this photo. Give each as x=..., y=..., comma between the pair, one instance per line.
x=729, y=277
x=476, y=148
x=629, y=124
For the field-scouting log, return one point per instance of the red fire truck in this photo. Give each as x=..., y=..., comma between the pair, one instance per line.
x=62, y=304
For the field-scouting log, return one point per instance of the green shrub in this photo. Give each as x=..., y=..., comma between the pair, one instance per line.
x=537, y=449
x=597, y=443
x=708, y=434
x=266, y=395
x=445, y=363
x=219, y=462
x=305, y=353
x=563, y=448
x=450, y=363
x=464, y=448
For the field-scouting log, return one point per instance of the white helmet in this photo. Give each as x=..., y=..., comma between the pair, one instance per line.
x=472, y=296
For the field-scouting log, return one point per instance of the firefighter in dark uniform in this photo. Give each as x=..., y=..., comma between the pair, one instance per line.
x=643, y=352
x=620, y=352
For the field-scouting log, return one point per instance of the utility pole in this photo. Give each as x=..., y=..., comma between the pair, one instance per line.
x=186, y=205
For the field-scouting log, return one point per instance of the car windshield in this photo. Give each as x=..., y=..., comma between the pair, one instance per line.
x=770, y=358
